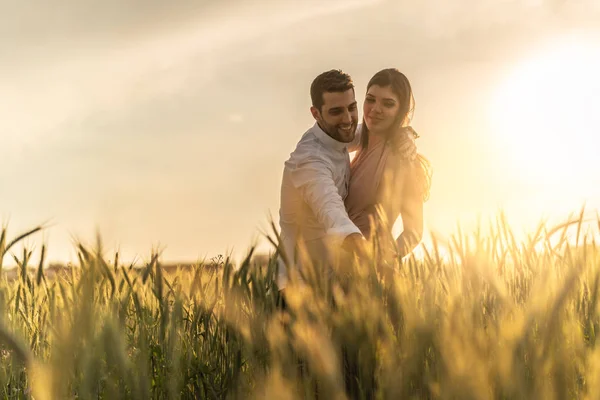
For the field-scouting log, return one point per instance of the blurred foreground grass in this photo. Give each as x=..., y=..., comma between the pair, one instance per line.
x=488, y=318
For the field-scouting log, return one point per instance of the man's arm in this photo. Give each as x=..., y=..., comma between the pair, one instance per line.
x=313, y=177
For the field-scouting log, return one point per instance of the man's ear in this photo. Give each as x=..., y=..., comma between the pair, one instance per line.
x=315, y=113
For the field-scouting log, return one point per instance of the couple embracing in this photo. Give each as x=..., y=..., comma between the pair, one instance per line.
x=332, y=205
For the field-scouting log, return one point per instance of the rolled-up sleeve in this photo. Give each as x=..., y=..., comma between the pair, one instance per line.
x=313, y=179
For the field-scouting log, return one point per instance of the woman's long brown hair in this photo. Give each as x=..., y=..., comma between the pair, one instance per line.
x=400, y=85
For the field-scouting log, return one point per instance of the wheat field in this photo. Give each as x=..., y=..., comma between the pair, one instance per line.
x=490, y=317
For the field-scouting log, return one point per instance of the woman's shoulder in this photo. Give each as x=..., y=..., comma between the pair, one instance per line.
x=355, y=144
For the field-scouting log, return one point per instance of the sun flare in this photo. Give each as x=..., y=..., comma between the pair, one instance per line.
x=545, y=114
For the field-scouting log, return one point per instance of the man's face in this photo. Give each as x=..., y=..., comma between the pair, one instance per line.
x=339, y=115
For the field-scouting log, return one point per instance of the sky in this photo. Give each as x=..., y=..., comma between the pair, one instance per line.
x=167, y=124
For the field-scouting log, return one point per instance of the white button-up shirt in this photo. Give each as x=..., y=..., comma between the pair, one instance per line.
x=313, y=189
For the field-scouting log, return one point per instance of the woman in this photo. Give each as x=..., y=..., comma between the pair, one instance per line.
x=388, y=179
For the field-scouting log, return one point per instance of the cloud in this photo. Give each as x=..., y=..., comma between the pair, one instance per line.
x=171, y=106
x=112, y=75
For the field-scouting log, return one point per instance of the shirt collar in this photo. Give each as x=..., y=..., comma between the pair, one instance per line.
x=327, y=140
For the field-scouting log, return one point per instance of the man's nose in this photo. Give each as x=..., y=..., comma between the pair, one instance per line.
x=347, y=117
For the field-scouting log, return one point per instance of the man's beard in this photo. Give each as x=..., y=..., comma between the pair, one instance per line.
x=337, y=133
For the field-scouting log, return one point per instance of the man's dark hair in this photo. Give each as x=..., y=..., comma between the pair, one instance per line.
x=330, y=81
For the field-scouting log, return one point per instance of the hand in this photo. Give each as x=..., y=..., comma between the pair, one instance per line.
x=406, y=242
x=354, y=243
x=405, y=143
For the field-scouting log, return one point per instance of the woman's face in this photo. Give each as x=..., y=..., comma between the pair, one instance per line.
x=381, y=108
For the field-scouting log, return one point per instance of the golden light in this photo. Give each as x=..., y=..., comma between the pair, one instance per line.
x=546, y=114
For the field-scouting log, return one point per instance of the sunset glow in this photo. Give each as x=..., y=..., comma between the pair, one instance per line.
x=545, y=113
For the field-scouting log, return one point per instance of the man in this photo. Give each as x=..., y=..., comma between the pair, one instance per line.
x=315, y=178
x=315, y=182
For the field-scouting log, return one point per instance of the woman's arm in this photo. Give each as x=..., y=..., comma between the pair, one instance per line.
x=412, y=221
x=411, y=210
